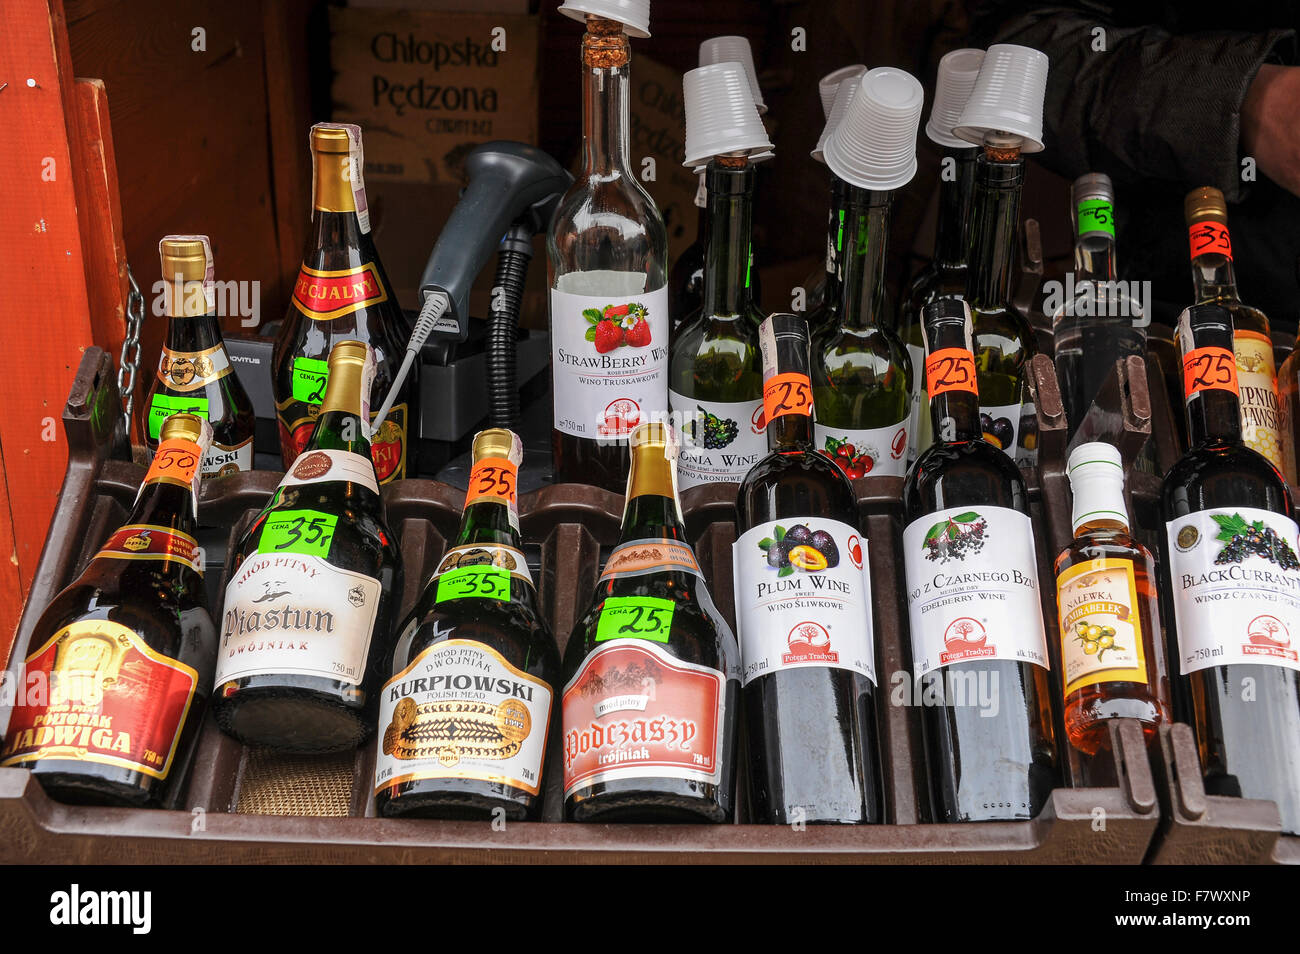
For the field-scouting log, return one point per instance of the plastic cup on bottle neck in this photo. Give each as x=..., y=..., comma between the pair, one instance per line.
x=721, y=117
x=844, y=94
x=829, y=84
x=874, y=145
x=633, y=14
x=958, y=71
x=734, y=49
x=1007, y=97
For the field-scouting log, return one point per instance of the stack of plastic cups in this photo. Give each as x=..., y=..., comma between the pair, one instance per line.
x=721, y=117
x=874, y=144
x=958, y=71
x=829, y=83
x=1007, y=98
x=844, y=94
x=633, y=14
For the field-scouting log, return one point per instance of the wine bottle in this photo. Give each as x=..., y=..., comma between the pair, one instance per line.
x=1232, y=584
x=803, y=605
x=1112, y=646
x=306, y=630
x=1214, y=281
x=118, y=667
x=824, y=291
x=861, y=373
x=979, y=648
x=342, y=294
x=195, y=375
x=716, y=383
x=651, y=671
x=607, y=251
x=463, y=722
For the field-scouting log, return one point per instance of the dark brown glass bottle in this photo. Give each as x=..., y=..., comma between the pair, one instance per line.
x=342, y=294
x=306, y=630
x=808, y=662
x=464, y=720
x=651, y=670
x=1231, y=585
x=979, y=647
x=118, y=667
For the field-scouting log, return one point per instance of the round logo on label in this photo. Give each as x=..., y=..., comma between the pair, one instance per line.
x=809, y=637
x=513, y=720
x=899, y=444
x=855, y=551
x=312, y=466
x=964, y=633
x=137, y=541
x=1268, y=631
x=1187, y=538
x=357, y=596
x=181, y=371
x=448, y=756
x=620, y=417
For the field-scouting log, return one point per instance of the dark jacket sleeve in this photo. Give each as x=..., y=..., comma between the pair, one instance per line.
x=1151, y=105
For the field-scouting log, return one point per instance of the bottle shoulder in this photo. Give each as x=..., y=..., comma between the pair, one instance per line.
x=597, y=215
x=1215, y=475
x=959, y=474
x=1105, y=545
x=801, y=484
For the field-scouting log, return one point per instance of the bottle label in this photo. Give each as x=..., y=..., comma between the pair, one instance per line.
x=387, y=447
x=1096, y=217
x=965, y=605
x=1257, y=389
x=163, y=405
x=482, y=570
x=292, y=613
x=319, y=465
x=702, y=196
x=651, y=555
x=803, y=597
x=609, y=355
x=1209, y=237
x=789, y=393
x=721, y=440
x=919, y=418
x=1236, y=588
x=460, y=710
x=875, y=452
x=1000, y=425
x=108, y=698
x=495, y=480
x=634, y=710
x=144, y=541
x=191, y=370
x=1209, y=369
x=950, y=369
x=323, y=295
x=221, y=461
x=1101, y=632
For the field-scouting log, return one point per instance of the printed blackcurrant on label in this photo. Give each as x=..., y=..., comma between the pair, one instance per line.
x=720, y=441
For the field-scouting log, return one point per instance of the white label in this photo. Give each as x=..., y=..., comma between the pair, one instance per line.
x=874, y=452
x=296, y=614
x=460, y=710
x=721, y=440
x=322, y=465
x=919, y=428
x=1236, y=588
x=767, y=348
x=808, y=604
x=609, y=353
x=220, y=460
x=972, y=588
x=702, y=196
x=1000, y=425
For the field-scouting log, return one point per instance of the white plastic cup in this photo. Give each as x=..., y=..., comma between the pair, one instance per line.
x=958, y=71
x=844, y=94
x=721, y=118
x=633, y=14
x=828, y=84
x=734, y=49
x=874, y=145
x=1008, y=97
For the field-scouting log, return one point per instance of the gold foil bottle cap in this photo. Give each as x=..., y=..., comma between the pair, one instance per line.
x=346, y=388
x=333, y=137
x=498, y=442
x=186, y=427
x=184, y=256
x=651, y=432
x=1205, y=203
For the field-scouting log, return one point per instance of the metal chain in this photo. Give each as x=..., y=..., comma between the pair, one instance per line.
x=130, y=357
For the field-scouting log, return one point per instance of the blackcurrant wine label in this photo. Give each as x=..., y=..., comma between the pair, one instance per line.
x=460, y=710
x=1235, y=578
x=107, y=697
x=483, y=570
x=1000, y=426
x=1101, y=632
x=332, y=293
x=143, y=541
x=191, y=370
x=634, y=710
x=1257, y=389
x=609, y=354
x=321, y=465
x=721, y=440
x=972, y=588
x=649, y=555
x=803, y=597
x=875, y=452
x=291, y=613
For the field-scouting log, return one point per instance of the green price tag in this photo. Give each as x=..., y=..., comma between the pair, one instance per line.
x=309, y=378
x=308, y=532
x=1096, y=215
x=635, y=617
x=164, y=406
x=485, y=582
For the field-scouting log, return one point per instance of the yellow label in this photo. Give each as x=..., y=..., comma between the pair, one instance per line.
x=1257, y=383
x=1101, y=635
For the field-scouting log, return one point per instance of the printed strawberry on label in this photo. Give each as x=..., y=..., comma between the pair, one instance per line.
x=638, y=336
x=606, y=335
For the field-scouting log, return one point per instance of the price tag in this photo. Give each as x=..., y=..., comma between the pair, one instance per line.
x=635, y=617
x=176, y=461
x=788, y=393
x=310, y=375
x=1210, y=237
x=950, y=369
x=1209, y=369
x=493, y=478
x=164, y=406
x=1096, y=215
x=307, y=532
x=485, y=582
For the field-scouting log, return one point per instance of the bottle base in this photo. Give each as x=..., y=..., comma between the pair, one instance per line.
x=642, y=805
x=94, y=790
x=297, y=721
x=452, y=805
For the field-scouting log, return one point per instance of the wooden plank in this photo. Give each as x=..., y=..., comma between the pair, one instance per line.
x=11, y=590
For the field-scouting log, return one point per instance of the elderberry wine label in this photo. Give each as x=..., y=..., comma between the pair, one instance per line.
x=721, y=440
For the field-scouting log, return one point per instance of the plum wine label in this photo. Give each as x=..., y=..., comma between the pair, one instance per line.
x=875, y=452
x=142, y=541
x=1101, y=632
x=460, y=710
x=1000, y=426
x=1236, y=588
x=721, y=441
x=108, y=698
x=333, y=293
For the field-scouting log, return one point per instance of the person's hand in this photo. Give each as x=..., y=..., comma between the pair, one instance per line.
x=1270, y=124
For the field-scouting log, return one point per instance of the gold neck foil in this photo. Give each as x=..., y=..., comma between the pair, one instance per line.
x=1205, y=204
x=184, y=268
x=347, y=366
x=654, y=468
x=186, y=427
x=494, y=442
x=332, y=153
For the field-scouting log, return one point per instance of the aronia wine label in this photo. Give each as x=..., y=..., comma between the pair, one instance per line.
x=721, y=440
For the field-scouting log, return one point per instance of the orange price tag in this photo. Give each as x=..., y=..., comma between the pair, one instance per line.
x=1209, y=236
x=950, y=369
x=176, y=461
x=493, y=478
x=1209, y=369
x=787, y=393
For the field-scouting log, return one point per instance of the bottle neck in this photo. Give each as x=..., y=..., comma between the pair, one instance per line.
x=726, y=268
x=194, y=333
x=652, y=509
x=952, y=233
x=1089, y=527
x=1213, y=278
x=1094, y=258
x=165, y=504
x=835, y=234
x=995, y=224
x=487, y=522
x=954, y=412
x=791, y=433
x=605, y=104
x=1213, y=414
x=339, y=425
x=862, y=277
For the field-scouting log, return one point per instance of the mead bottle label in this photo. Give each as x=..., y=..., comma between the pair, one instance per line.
x=1236, y=588
x=1101, y=633
x=609, y=353
x=96, y=692
x=1257, y=387
x=479, y=570
x=803, y=598
x=191, y=370
x=460, y=710
x=634, y=710
x=874, y=452
x=720, y=440
x=972, y=588
x=324, y=465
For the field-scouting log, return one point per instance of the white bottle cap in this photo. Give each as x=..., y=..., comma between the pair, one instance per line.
x=844, y=94
x=721, y=118
x=1008, y=97
x=829, y=83
x=957, y=73
x=734, y=49
x=633, y=14
x=1096, y=473
x=874, y=146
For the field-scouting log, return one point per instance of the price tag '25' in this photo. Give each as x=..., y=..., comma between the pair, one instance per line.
x=635, y=617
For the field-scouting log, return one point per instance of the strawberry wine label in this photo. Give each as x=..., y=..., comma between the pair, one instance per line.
x=874, y=452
